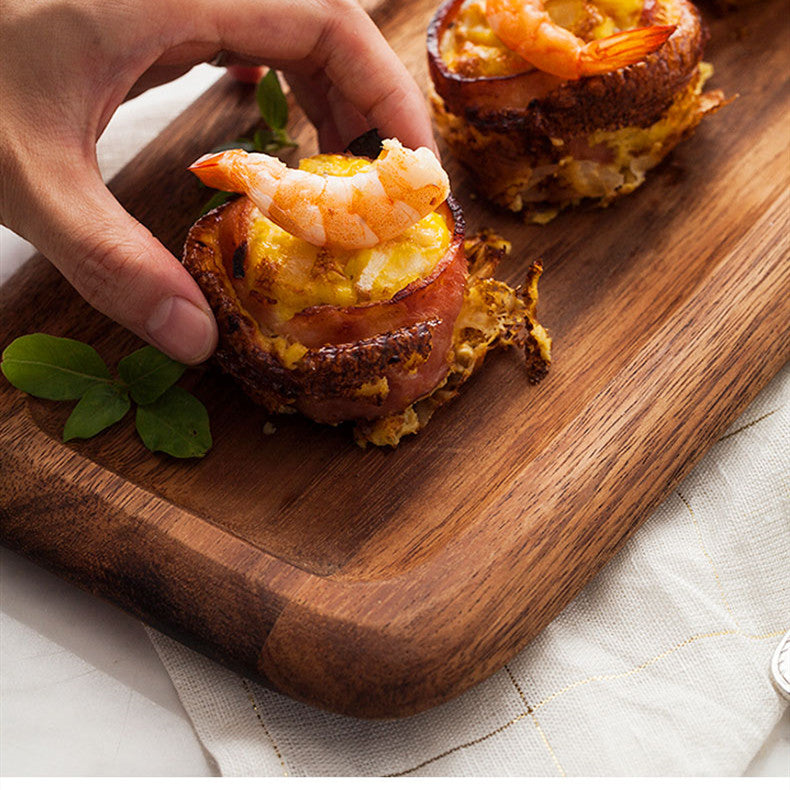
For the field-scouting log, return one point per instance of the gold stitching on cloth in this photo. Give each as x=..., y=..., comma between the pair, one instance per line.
x=463, y=745
x=749, y=424
x=654, y=659
x=592, y=679
x=535, y=721
x=709, y=558
x=263, y=726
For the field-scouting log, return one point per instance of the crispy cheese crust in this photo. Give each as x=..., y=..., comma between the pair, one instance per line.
x=493, y=315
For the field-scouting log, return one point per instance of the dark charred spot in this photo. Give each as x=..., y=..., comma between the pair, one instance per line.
x=261, y=298
x=367, y=144
x=239, y=256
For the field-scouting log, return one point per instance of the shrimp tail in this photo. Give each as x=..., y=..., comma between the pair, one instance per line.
x=622, y=49
x=220, y=171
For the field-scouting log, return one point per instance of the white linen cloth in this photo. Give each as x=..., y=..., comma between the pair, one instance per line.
x=659, y=666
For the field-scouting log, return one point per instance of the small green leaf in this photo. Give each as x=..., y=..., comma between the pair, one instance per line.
x=217, y=199
x=284, y=140
x=99, y=408
x=51, y=367
x=149, y=372
x=262, y=138
x=243, y=142
x=280, y=139
x=176, y=423
x=271, y=101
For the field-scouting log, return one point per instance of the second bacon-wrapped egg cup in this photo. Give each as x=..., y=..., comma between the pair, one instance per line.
x=535, y=142
x=379, y=336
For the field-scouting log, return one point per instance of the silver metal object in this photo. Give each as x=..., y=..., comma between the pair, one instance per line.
x=780, y=667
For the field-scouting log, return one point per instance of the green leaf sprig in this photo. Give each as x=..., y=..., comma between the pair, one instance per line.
x=168, y=419
x=268, y=139
x=274, y=111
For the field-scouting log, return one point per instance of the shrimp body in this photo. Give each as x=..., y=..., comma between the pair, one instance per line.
x=352, y=212
x=525, y=27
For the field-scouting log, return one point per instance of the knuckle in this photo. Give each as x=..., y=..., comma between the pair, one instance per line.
x=334, y=7
x=106, y=272
x=390, y=98
x=336, y=16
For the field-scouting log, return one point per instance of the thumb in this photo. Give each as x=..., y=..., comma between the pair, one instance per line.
x=119, y=267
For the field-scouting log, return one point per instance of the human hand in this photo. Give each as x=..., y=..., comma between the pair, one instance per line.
x=68, y=64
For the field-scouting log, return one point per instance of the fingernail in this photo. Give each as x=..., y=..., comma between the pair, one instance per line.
x=182, y=329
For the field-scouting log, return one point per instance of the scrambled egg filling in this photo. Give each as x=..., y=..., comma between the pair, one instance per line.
x=470, y=47
x=632, y=151
x=294, y=275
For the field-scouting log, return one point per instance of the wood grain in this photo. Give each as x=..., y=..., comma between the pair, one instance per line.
x=379, y=583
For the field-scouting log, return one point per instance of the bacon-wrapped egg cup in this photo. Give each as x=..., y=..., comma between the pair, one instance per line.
x=584, y=98
x=378, y=331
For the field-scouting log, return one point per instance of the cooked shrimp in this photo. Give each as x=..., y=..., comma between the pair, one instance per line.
x=525, y=27
x=388, y=196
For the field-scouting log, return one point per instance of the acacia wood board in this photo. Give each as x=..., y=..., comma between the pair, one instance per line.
x=377, y=582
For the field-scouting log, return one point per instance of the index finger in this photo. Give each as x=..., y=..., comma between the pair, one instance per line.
x=335, y=37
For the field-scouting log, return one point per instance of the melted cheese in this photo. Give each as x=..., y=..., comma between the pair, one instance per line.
x=295, y=275
x=470, y=47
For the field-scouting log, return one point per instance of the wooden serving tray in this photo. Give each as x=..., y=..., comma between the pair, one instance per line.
x=377, y=582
